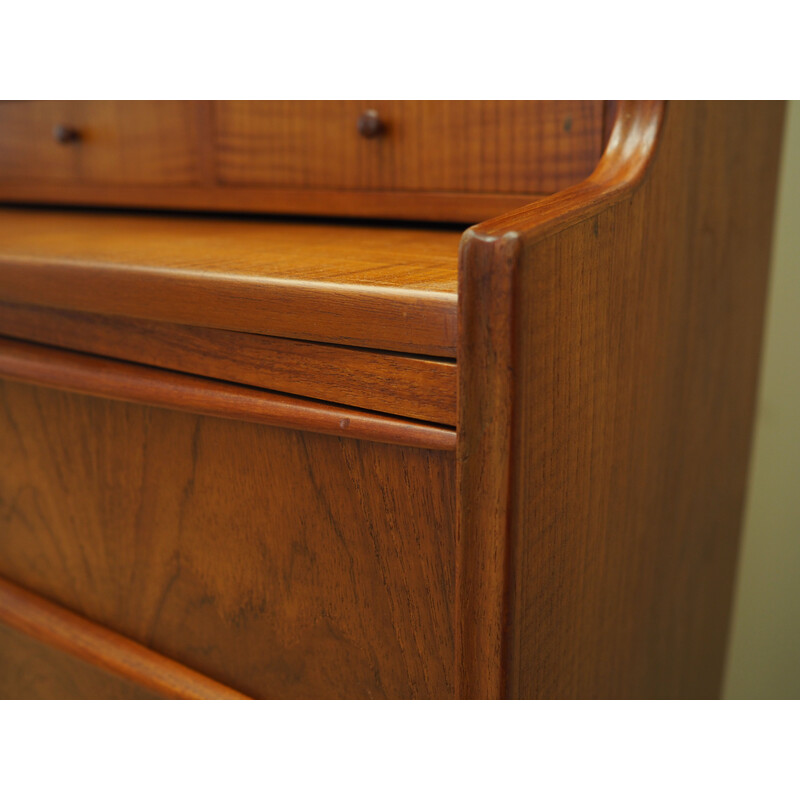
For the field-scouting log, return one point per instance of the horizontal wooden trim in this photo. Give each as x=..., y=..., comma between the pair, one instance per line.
x=118, y=380
x=401, y=205
x=406, y=386
x=61, y=629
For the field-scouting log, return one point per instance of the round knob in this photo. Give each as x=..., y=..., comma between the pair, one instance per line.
x=64, y=134
x=370, y=124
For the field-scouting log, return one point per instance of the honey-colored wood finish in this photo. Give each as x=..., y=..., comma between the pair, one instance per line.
x=609, y=343
x=283, y=564
x=119, y=380
x=484, y=147
x=440, y=207
x=30, y=670
x=432, y=160
x=421, y=388
x=233, y=441
x=368, y=286
x=47, y=652
x=119, y=143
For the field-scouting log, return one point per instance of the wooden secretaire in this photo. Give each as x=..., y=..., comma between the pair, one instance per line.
x=273, y=425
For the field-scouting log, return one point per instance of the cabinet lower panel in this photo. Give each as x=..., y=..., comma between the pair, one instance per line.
x=280, y=563
x=31, y=670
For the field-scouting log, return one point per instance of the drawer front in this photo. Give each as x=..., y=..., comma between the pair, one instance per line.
x=482, y=147
x=407, y=386
x=33, y=670
x=447, y=161
x=47, y=651
x=283, y=564
x=141, y=143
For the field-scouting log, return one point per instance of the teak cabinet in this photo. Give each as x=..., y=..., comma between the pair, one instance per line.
x=318, y=441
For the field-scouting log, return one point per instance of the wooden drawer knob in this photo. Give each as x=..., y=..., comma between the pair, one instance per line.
x=64, y=134
x=370, y=124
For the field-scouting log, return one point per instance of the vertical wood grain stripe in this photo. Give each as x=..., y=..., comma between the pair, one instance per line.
x=484, y=554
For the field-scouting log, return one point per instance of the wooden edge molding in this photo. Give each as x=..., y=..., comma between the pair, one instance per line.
x=484, y=544
x=488, y=258
x=400, y=385
x=61, y=629
x=120, y=380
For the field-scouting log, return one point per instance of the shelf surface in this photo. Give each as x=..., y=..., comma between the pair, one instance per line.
x=376, y=286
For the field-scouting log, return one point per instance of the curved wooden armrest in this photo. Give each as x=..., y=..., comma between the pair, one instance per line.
x=628, y=154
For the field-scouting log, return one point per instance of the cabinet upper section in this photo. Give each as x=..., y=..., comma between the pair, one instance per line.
x=459, y=161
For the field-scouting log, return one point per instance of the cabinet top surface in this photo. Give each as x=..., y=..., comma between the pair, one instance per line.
x=386, y=287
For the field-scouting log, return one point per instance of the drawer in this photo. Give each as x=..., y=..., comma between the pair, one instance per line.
x=445, y=161
x=282, y=563
x=144, y=143
x=417, y=388
x=493, y=147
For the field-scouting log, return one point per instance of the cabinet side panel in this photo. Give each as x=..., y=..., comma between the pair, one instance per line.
x=609, y=341
x=284, y=564
x=638, y=335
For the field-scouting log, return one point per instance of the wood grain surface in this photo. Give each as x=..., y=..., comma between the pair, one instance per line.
x=607, y=339
x=608, y=360
x=121, y=380
x=30, y=670
x=457, y=161
x=438, y=207
x=389, y=288
x=280, y=563
x=478, y=147
x=120, y=142
x=49, y=653
x=420, y=388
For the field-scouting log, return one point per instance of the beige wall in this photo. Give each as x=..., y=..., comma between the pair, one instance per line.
x=764, y=654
